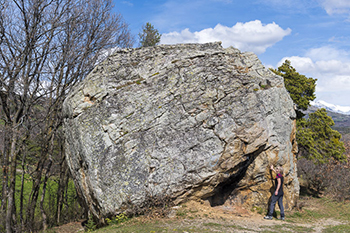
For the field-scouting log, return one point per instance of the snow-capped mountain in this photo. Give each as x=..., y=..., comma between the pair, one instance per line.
x=331, y=107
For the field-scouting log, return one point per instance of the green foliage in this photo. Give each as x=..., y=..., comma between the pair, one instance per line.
x=259, y=210
x=181, y=213
x=300, y=88
x=149, y=36
x=121, y=218
x=90, y=225
x=317, y=140
x=118, y=219
x=71, y=209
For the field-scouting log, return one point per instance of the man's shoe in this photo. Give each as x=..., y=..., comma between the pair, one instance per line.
x=281, y=218
x=268, y=217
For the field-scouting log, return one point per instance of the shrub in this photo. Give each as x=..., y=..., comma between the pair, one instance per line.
x=90, y=225
x=118, y=219
x=314, y=176
x=332, y=179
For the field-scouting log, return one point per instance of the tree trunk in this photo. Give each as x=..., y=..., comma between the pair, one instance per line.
x=22, y=189
x=5, y=170
x=47, y=42
x=62, y=183
x=43, y=214
x=33, y=198
x=47, y=144
x=10, y=224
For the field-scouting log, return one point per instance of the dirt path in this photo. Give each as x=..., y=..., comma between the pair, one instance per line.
x=196, y=214
x=251, y=220
x=69, y=228
x=244, y=224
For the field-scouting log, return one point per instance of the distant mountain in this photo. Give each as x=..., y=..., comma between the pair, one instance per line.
x=331, y=107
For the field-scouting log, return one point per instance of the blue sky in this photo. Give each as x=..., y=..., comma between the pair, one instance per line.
x=313, y=34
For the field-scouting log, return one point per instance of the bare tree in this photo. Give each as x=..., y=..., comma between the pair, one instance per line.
x=46, y=46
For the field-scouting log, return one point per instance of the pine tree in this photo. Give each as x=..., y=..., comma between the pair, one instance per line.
x=149, y=36
x=300, y=87
x=317, y=141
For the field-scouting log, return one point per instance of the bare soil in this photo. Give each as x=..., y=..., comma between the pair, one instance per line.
x=243, y=220
x=69, y=227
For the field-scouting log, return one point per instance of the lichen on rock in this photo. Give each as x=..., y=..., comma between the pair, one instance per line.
x=188, y=121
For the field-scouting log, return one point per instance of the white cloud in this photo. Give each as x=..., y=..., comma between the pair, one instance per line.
x=128, y=3
x=330, y=66
x=336, y=6
x=301, y=64
x=326, y=53
x=251, y=36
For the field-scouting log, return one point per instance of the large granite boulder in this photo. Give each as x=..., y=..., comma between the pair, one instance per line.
x=190, y=121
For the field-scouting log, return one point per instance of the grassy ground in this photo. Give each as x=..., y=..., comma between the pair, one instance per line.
x=316, y=215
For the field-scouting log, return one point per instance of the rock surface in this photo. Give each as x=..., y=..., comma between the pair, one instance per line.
x=190, y=121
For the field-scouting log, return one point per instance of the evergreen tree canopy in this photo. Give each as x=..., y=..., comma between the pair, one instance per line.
x=300, y=88
x=317, y=141
x=149, y=36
